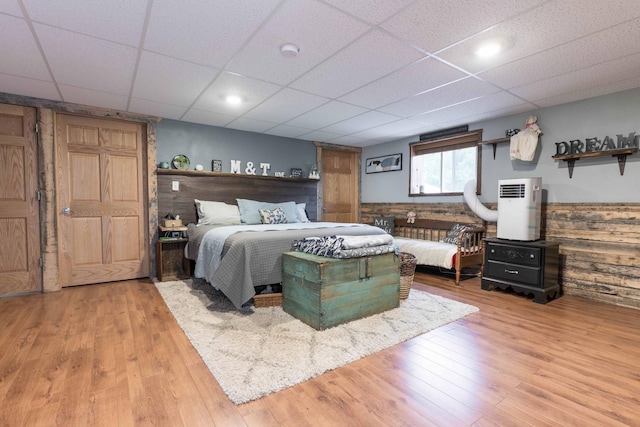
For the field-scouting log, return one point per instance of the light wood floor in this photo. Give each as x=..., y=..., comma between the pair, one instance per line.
x=113, y=355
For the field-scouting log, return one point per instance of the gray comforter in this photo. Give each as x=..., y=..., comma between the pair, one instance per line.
x=251, y=258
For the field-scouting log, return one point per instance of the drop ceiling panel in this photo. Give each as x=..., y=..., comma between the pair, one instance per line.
x=158, y=109
x=120, y=21
x=11, y=7
x=605, y=73
x=319, y=135
x=357, y=65
x=92, y=63
x=325, y=115
x=435, y=24
x=250, y=125
x=460, y=91
x=19, y=52
x=364, y=65
x=28, y=87
x=587, y=51
x=493, y=102
x=405, y=83
x=547, y=26
x=203, y=31
x=317, y=29
x=170, y=80
x=207, y=117
x=284, y=106
x=83, y=96
x=591, y=92
x=364, y=121
x=373, y=11
x=287, y=131
x=252, y=92
x=393, y=128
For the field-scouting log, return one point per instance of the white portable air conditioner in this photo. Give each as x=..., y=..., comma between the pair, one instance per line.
x=519, y=202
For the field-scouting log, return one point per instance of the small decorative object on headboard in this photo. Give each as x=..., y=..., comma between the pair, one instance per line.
x=386, y=223
x=411, y=217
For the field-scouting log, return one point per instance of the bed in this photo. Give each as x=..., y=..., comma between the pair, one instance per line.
x=238, y=258
x=444, y=244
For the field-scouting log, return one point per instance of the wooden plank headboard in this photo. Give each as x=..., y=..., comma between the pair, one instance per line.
x=227, y=187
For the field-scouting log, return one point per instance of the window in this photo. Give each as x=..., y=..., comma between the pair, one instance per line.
x=444, y=166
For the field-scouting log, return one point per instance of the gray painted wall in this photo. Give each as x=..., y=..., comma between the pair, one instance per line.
x=594, y=179
x=203, y=143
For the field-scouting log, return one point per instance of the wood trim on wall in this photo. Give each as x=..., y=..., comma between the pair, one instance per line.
x=599, y=242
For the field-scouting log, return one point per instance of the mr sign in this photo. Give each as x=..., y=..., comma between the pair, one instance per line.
x=386, y=223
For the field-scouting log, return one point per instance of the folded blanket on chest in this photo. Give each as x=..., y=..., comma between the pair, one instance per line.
x=346, y=246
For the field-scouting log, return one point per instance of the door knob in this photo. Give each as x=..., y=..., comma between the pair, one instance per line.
x=66, y=211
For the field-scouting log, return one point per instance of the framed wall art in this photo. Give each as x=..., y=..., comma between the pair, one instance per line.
x=391, y=162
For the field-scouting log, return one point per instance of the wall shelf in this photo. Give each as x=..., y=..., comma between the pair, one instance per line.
x=161, y=171
x=495, y=142
x=621, y=154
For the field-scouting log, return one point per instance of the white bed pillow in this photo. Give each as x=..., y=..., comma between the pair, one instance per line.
x=217, y=213
x=302, y=212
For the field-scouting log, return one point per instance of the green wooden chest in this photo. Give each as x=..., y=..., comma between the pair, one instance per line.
x=324, y=292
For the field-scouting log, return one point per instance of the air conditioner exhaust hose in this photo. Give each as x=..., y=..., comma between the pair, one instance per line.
x=471, y=198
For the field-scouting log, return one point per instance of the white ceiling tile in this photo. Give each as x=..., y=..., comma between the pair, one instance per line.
x=287, y=131
x=357, y=65
x=460, y=91
x=251, y=125
x=252, y=92
x=319, y=135
x=10, y=7
x=364, y=121
x=373, y=11
x=28, y=87
x=605, y=73
x=158, y=109
x=83, y=96
x=284, y=106
x=317, y=29
x=202, y=31
x=92, y=63
x=18, y=50
x=325, y=115
x=590, y=92
x=435, y=24
x=393, y=128
x=549, y=25
x=349, y=140
x=599, y=47
x=407, y=82
x=207, y=117
x=170, y=80
x=493, y=102
x=119, y=21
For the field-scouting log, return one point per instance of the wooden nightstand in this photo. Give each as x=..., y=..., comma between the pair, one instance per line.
x=170, y=260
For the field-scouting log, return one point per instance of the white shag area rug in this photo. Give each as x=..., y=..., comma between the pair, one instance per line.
x=257, y=351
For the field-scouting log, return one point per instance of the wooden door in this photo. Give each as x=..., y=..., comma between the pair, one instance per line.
x=340, y=186
x=101, y=200
x=19, y=209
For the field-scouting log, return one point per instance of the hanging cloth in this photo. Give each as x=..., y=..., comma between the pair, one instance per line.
x=523, y=144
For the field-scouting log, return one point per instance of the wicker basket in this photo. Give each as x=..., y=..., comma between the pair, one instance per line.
x=267, y=300
x=407, y=270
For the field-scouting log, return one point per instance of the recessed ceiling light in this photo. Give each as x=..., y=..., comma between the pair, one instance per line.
x=489, y=49
x=233, y=99
x=289, y=50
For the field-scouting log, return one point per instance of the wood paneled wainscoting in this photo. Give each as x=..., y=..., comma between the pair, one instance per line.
x=599, y=243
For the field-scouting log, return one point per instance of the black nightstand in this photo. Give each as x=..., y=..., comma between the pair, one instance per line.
x=526, y=267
